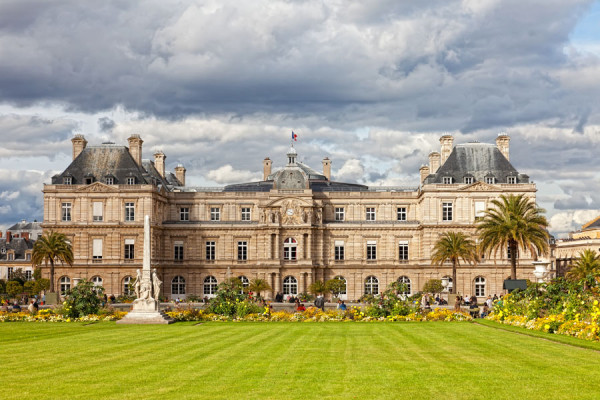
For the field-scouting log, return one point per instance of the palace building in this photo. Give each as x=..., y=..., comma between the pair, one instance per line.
x=291, y=228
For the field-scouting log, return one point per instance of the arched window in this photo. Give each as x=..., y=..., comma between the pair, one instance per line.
x=480, y=286
x=178, y=285
x=290, y=286
x=371, y=285
x=289, y=249
x=343, y=289
x=97, y=281
x=245, y=283
x=127, y=289
x=449, y=287
x=210, y=285
x=406, y=281
x=65, y=285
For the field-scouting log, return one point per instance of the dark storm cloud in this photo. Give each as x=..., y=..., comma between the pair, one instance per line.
x=106, y=124
x=26, y=136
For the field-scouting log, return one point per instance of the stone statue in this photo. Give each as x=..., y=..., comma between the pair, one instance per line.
x=137, y=284
x=156, y=283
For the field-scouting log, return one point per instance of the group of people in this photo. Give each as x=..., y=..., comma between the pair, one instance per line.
x=473, y=305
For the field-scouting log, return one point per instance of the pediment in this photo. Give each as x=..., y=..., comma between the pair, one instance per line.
x=97, y=187
x=289, y=200
x=480, y=187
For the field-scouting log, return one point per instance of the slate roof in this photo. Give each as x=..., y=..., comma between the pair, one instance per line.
x=593, y=224
x=479, y=160
x=19, y=245
x=26, y=226
x=109, y=160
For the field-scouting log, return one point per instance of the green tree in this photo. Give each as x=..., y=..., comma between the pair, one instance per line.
x=317, y=287
x=84, y=299
x=49, y=248
x=335, y=286
x=514, y=222
x=585, y=269
x=37, y=273
x=29, y=288
x=258, y=285
x=2, y=286
x=433, y=286
x=454, y=246
x=18, y=275
x=13, y=288
x=41, y=284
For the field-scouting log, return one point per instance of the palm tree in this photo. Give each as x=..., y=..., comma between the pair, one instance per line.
x=586, y=266
x=514, y=222
x=258, y=285
x=51, y=247
x=454, y=246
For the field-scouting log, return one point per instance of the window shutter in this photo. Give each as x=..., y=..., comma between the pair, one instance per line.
x=97, y=248
x=97, y=209
x=479, y=208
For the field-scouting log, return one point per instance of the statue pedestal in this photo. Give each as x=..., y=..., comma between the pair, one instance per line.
x=145, y=311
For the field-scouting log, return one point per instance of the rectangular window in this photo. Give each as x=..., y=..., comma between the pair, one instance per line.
x=11, y=257
x=178, y=251
x=447, y=180
x=211, y=250
x=110, y=180
x=97, y=211
x=28, y=256
x=508, y=253
x=401, y=214
x=66, y=211
x=403, y=250
x=490, y=180
x=468, y=180
x=184, y=214
x=215, y=214
x=339, y=250
x=339, y=214
x=512, y=180
x=246, y=214
x=131, y=180
x=479, y=209
x=371, y=250
x=96, y=249
x=446, y=211
x=242, y=251
x=67, y=180
x=129, y=212
x=10, y=272
x=129, y=249
x=370, y=213
x=29, y=275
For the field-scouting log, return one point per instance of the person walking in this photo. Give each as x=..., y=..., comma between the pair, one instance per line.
x=320, y=302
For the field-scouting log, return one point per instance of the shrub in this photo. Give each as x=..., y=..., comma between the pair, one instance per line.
x=433, y=286
x=83, y=299
x=13, y=288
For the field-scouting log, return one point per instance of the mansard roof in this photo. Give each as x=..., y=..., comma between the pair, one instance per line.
x=479, y=160
x=115, y=161
x=26, y=226
x=19, y=245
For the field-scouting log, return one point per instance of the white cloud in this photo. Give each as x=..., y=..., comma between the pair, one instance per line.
x=226, y=174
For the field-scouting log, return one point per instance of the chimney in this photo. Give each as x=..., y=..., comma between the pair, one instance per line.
x=79, y=144
x=8, y=237
x=424, y=172
x=502, y=142
x=434, y=162
x=446, y=141
x=327, y=168
x=266, y=168
x=135, y=148
x=159, y=162
x=180, y=174
x=25, y=235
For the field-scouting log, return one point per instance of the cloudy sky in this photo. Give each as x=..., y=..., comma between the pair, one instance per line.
x=219, y=85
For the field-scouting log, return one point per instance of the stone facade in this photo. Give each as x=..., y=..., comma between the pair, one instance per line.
x=294, y=227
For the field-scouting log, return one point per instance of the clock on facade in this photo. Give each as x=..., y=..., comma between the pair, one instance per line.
x=289, y=211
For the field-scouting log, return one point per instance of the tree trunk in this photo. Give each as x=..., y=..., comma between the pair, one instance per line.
x=51, y=276
x=454, y=285
x=513, y=259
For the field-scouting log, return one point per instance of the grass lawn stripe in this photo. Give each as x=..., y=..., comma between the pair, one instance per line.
x=290, y=361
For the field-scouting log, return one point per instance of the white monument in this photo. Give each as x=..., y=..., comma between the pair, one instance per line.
x=145, y=308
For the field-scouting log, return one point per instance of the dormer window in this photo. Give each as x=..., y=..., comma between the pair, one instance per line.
x=512, y=180
x=468, y=180
x=131, y=180
x=67, y=180
x=490, y=180
x=447, y=180
x=89, y=179
x=109, y=180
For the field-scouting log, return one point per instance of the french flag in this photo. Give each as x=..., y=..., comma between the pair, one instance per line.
x=294, y=137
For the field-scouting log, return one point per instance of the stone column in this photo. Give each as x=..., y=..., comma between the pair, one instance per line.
x=277, y=282
x=302, y=283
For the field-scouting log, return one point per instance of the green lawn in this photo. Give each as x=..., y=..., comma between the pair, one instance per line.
x=289, y=361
